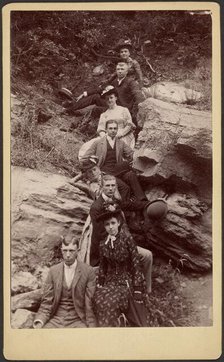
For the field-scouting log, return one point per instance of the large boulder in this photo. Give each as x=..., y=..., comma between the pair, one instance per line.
x=174, y=157
x=23, y=281
x=22, y=318
x=44, y=208
x=30, y=300
x=172, y=92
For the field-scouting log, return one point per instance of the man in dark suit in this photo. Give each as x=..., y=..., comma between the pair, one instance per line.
x=111, y=153
x=67, y=293
x=129, y=94
x=99, y=233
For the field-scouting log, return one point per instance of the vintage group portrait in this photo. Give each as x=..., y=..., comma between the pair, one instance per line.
x=112, y=159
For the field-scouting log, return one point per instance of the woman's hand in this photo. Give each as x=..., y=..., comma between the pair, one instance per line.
x=37, y=325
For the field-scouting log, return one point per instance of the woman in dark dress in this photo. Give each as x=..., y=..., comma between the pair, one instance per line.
x=119, y=271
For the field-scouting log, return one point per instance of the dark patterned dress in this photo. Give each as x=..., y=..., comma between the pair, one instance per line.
x=119, y=263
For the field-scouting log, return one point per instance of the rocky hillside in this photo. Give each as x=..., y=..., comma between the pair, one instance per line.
x=173, y=154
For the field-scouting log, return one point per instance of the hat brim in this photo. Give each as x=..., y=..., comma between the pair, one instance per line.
x=111, y=91
x=66, y=92
x=124, y=46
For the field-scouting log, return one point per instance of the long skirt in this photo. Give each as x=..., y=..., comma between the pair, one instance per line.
x=109, y=302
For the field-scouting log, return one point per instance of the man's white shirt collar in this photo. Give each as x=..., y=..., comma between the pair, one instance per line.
x=69, y=271
x=105, y=197
x=111, y=141
x=71, y=267
x=120, y=80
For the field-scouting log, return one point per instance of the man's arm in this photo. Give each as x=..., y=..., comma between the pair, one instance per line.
x=90, y=91
x=90, y=289
x=90, y=152
x=101, y=129
x=138, y=71
x=44, y=312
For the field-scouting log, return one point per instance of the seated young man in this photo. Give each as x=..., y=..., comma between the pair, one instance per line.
x=67, y=293
x=111, y=153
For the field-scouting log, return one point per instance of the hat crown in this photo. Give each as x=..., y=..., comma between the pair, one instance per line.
x=87, y=164
x=109, y=89
x=110, y=209
x=125, y=42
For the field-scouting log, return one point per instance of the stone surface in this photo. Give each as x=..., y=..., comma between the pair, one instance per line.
x=22, y=318
x=172, y=92
x=23, y=282
x=44, y=207
x=175, y=144
x=30, y=301
x=181, y=237
x=174, y=157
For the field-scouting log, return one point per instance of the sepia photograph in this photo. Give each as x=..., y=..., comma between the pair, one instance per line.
x=111, y=169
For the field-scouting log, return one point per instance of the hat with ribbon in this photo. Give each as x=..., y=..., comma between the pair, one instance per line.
x=88, y=164
x=109, y=90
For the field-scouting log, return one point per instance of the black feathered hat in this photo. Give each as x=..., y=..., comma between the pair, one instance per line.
x=110, y=209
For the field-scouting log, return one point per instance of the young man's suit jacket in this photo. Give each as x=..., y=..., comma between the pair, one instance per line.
x=83, y=287
x=99, y=149
x=129, y=93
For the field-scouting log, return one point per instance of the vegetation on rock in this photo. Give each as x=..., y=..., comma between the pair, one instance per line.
x=50, y=50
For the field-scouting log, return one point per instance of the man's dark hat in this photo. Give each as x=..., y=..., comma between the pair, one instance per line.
x=87, y=164
x=110, y=209
x=156, y=209
x=109, y=90
x=124, y=44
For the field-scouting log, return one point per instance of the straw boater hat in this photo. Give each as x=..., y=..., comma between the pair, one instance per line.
x=124, y=44
x=109, y=90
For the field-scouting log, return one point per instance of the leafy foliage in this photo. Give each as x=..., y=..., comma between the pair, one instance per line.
x=43, y=41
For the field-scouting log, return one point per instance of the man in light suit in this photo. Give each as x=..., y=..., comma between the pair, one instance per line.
x=111, y=153
x=67, y=293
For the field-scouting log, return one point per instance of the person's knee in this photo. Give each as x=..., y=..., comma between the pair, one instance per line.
x=130, y=174
x=146, y=255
